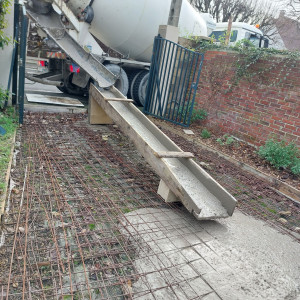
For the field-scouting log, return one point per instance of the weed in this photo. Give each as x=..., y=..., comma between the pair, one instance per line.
x=92, y=226
x=226, y=139
x=198, y=115
x=281, y=155
x=4, y=94
x=9, y=122
x=97, y=291
x=2, y=186
x=205, y=134
x=220, y=141
x=273, y=211
x=77, y=263
x=229, y=140
x=126, y=210
x=296, y=167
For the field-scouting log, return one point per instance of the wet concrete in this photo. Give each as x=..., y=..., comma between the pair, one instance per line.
x=236, y=258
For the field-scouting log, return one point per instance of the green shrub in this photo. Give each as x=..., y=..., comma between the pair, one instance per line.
x=4, y=9
x=198, y=114
x=229, y=140
x=280, y=155
x=296, y=167
x=226, y=139
x=220, y=141
x=205, y=134
x=4, y=94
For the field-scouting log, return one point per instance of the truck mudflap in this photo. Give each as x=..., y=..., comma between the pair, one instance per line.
x=52, y=26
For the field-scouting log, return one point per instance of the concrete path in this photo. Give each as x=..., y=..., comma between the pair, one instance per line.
x=236, y=258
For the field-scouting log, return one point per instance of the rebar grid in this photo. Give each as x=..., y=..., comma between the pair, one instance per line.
x=89, y=224
x=256, y=197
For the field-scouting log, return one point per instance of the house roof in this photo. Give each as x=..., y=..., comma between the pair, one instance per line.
x=289, y=31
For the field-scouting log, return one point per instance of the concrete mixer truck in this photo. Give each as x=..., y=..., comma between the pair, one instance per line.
x=70, y=30
x=128, y=27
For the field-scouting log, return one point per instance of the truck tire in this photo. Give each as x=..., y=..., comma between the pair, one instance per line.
x=88, y=14
x=139, y=87
x=41, y=7
x=131, y=73
x=122, y=83
x=143, y=88
x=70, y=88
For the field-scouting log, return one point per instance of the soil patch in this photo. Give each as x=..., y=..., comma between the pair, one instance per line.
x=255, y=195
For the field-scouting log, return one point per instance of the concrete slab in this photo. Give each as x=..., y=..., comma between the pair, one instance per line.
x=46, y=99
x=31, y=87
x=188, y=131
x=243, y=258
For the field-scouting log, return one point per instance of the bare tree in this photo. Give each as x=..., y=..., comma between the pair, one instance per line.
x=294, y=9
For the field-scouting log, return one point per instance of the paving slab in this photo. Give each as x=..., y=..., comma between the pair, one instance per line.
x=55, y=100
x=243, y=258
x=42, y=108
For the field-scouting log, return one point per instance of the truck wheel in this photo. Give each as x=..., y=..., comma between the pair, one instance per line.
x=41, y=7
x=143, y=88
x=122, y=83
x=131, y=75
x=70, y=88
x=139, y=87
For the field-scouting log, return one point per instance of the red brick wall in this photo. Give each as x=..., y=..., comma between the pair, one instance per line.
x=253, y=111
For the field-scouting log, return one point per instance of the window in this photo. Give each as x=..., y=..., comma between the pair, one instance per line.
x=254, y=39
x=218, y=35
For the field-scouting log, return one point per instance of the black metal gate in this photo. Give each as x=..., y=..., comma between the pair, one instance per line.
x=17, y=69
x=173, y=82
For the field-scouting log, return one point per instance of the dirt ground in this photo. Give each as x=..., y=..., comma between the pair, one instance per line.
x=74, y=193
x=255, y=196
x=237, y=149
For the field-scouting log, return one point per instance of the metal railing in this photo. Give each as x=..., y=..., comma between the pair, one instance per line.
x=22, y=61
x=16, y=76
x=173, y=81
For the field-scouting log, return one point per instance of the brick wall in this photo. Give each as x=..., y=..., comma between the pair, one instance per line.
x=268, y=105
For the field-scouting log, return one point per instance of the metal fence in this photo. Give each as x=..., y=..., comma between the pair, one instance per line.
x=22, y=61
x=16, y=77
x=173, y=82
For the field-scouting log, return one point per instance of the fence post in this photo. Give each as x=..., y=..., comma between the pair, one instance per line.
x=16, y=62
x=23, y=47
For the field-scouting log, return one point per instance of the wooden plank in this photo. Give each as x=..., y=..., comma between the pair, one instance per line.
x=54, y=100
x=173, y=154
x=118, y=99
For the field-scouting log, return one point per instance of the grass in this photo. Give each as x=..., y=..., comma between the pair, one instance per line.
x=8, y=121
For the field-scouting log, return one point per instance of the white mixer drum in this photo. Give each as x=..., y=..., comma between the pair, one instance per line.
x=129, y=26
